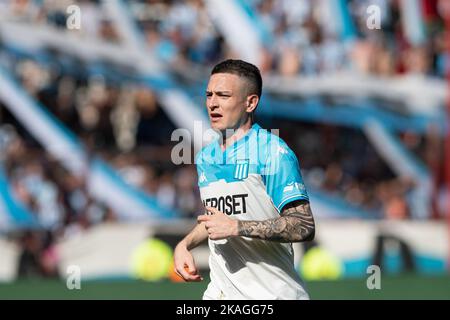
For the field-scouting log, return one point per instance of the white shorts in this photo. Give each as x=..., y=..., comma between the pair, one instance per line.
x=213, y=293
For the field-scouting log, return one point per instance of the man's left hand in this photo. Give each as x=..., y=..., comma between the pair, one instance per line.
x=218, y=224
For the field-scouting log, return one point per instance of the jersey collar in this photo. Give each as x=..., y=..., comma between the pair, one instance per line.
x=223, y=154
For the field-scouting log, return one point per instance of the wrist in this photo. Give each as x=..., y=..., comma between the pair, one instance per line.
x=236, y=227
x=182, y=245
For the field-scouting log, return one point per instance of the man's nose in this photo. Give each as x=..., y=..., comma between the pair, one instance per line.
x=212, y=103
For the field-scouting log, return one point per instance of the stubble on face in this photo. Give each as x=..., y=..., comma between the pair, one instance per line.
x=226, y=101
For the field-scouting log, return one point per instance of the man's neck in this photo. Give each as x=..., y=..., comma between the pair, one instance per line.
x=232, y=135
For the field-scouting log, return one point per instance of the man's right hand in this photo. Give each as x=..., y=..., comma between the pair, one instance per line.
x=184, y=264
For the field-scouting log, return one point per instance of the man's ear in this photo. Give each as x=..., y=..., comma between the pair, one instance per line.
x=252, y=102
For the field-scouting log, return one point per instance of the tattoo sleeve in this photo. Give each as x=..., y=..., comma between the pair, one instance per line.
x=295, y=224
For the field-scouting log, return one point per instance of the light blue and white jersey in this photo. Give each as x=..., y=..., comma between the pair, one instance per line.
x=253, y=179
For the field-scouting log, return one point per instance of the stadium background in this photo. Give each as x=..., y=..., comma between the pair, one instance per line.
x=90, y=95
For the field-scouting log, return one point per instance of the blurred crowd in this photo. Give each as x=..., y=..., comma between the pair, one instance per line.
x=305, y=40
x=124, y=123
x=343, y=163
x=178, y=32
x=301, y=36
x=61, y=203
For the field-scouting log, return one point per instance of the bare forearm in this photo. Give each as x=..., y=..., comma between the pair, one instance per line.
x=195, y=237
x=295, y=224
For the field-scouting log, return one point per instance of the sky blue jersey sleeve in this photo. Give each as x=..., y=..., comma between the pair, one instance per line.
x=283, y=179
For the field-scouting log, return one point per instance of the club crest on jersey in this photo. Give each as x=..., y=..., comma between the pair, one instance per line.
x=241, y=170
x=202, y=178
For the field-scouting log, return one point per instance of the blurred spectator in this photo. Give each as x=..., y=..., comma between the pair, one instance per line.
x=154, y=127
x=29, y=259
x=49, y=258
x=166, y=193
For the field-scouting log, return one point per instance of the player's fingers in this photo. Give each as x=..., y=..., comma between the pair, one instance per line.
x=215, y=236
x=202, y=218
x=192, y=271
x=185, y=267
x=212, y=232
x=212, y=210
x=187, y=276
x=183, y=273
x=195, y=278
x=198, y=278
x=190, y=266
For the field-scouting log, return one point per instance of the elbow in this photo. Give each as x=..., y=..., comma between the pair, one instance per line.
x=311, y=234
x=312, y=231
x=304, y=235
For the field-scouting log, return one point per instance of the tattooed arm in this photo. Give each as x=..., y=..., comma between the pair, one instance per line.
x=295, y=224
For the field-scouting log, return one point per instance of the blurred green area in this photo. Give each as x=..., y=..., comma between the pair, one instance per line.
x=398, y=287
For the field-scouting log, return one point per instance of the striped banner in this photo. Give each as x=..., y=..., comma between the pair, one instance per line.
x=13, y=213
x=412, y=21
x=104, y=183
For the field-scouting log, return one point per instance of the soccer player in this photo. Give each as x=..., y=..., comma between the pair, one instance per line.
x=256, y=202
